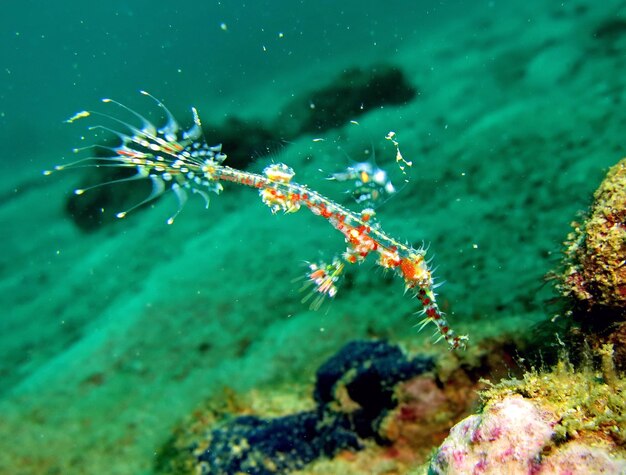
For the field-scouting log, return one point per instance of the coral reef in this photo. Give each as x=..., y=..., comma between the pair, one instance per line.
x=254, y=445
x=360, y=379
x=374, y=410
x=354, y=390
x=562, y=421
x=595, y=274
x=427, y=408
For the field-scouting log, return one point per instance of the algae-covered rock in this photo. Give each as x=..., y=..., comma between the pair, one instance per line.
x=505, y=438
x=354, y=391
x=562, y=421
x=595, y=271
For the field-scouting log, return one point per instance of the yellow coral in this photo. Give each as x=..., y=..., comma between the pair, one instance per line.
x=595, y=273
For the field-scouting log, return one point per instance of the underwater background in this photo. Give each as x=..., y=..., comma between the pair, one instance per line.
x=114, y=331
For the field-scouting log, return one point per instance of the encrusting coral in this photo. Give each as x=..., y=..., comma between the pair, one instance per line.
x=595, y=273
x=354, y=390
x=562, y=421
x=565, y=420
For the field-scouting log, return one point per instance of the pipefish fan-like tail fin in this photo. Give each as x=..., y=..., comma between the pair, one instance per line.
x=171, y=158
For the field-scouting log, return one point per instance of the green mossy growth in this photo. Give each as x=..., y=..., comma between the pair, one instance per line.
x=588, y=403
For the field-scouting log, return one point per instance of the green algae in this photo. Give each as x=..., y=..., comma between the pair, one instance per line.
x=595, y=270
x=588, y=402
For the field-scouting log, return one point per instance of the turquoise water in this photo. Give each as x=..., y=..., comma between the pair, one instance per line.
x=113, y=333
x=60, y=59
